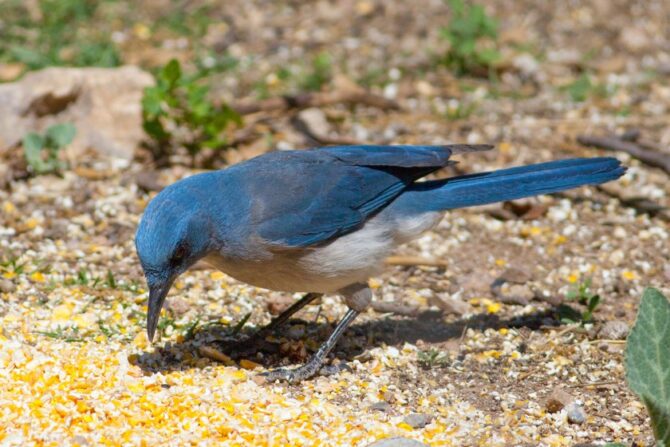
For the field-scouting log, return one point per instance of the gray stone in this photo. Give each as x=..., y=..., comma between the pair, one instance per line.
x=448, y=304
x=397, y=442
x=634, y=39
x=177, y=305
x=104, y=104
x=6, y=286
x=614, y=330
x=314, y=122
x=576, y=414
x=417, y=420
x=380, y=406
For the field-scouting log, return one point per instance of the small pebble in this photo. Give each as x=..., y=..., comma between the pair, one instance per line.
x=516, y=275
x=614, y=330
x=576, y=414
x=417, y=420
x=557, y=400
x=397, y=442
x=6, y=286
x=381, y=406
x=80, y=440
x=177, y=305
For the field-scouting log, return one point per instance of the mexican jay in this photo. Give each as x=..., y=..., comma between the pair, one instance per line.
x=322, y=221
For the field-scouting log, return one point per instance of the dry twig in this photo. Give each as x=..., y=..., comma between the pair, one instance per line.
x=644, y=154
x=318, y=99
x=408, y=261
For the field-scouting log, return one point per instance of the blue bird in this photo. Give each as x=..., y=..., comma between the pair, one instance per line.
x=323, y=220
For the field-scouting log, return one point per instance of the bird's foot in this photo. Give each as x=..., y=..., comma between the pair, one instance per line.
x=307, y=371
x=292, y=375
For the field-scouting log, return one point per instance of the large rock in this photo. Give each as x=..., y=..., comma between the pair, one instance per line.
x=103, y=103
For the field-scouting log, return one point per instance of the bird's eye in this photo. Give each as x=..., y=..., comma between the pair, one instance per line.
x=179, y=253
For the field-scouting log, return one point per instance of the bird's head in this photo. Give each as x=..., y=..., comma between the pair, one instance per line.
x=171, y=237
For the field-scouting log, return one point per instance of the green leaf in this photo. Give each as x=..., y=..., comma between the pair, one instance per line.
x=660, y=420
x=31, y=58
x=593, y=302
x=648, y=361
x=579, y=90
x=33, y=142
x=171, y=73
x=238, y=327
x=568, y=315
x=488, y=56
x=154, y=128
x=152, y=101
x=61, y=134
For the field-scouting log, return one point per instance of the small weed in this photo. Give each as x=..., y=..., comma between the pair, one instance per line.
x=108, y=330
x=460, y=110
x=188, y=22
x=190, y=329
x=12, y=265
x=165, y=323
x=83, y=278
x=110, y=281
x=42, y=151
x=177, y=113
x=68, y=334
x=238, y=327
x=132, y=286
x=140, y=317
x=319, y=74
x=583, y=88
x=374, y=77
x=432, y=358
x=57, y=34
x=471, y=34
x=582, y=295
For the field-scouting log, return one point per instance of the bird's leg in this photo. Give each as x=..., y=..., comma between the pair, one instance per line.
x=357, y=297
x=284, y=316
x=276, y=322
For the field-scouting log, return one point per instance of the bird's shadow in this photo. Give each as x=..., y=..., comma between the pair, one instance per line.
x=297, y=339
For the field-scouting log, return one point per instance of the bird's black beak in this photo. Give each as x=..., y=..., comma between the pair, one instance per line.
x=157, y=294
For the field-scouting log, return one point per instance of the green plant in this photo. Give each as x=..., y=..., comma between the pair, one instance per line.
x=584, y=87
x=177, y=113
x=432, y=357
x=42, y=151
x=320, y=73
x=648, y=361
x=471, y=34
x=67, y=334
x=11, y=264
x=56, y=32
x=460, y=110
x=583, y=295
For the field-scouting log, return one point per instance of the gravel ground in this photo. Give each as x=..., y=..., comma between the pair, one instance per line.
x=76, y=367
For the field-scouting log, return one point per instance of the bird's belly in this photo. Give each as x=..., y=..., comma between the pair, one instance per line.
x=349, y=259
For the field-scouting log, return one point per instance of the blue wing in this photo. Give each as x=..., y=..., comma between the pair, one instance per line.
x=302, y=198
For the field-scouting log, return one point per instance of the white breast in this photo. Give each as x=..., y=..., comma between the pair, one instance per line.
x=352, y=258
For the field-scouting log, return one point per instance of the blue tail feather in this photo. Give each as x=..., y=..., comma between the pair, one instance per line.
x=506, y=184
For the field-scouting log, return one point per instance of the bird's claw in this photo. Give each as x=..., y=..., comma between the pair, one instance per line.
x=304, y=372
x=292, y=375
x=281, y=374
